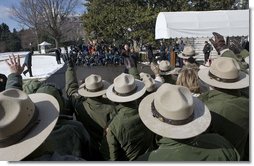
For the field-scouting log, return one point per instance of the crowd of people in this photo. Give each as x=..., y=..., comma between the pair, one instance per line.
x=188, y=113
x=97, y=53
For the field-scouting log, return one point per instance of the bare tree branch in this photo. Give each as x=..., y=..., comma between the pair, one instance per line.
x=46, y=15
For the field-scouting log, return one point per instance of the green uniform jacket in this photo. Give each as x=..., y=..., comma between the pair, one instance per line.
x=243, y=66
x=244, y=53
x=169, y=79
x=94, y=113
x=134, y=72
x=205, y=147
x=69, y=137
x=230, y=54
x=230, y=117
x=31, y=86
x=127, y=136
x=14, y=81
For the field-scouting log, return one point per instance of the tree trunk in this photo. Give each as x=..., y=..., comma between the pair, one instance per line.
x=37, y=39
x=57, y=42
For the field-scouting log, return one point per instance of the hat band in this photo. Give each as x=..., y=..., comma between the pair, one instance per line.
x=125, y=94
x=223, y=79
x=94, y=90
x=157, y=115
x=187, y=55
x=166, y=70
x=21, y=134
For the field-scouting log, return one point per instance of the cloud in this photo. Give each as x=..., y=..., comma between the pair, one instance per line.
x=5, y=12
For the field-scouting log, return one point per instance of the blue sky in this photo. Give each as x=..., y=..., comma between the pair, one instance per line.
x=5, y=15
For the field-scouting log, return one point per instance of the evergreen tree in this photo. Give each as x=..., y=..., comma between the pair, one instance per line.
x=4, y=32
x=9, y=41
x=125, y=20
x=14, y=42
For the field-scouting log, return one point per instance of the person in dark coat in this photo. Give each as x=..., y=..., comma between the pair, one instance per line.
x=181, y=48
x=162, y=51
x=150, y=53
x=3, y=80
x=58, y=56
x=128, y=57
x=28, y=63
x=207, y=50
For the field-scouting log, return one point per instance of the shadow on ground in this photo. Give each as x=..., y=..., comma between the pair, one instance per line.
x=107, y=72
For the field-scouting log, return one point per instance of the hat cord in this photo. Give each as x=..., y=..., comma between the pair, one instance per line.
x=157, y=115
x=212, y=76
x=21, y=134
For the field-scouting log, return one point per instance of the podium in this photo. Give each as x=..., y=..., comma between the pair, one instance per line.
x=172, y=58
x=143, y=56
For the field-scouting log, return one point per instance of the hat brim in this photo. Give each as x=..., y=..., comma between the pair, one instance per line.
x=200, y=123
x=122, y=99
x=157, y=85
x=171, y=72
x=186, y=57
x=242, y=83
x=247, y=59
x=83, y=92
x=212, y=57
x=48, y=108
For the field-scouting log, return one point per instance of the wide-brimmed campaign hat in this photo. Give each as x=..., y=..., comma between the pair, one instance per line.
x=187, y=52
x=144, y=75
x=125, y=89
x=224, y=73
x=173, y=112
x=94, y=86
x=247, y=59
x=25, y=122
x=165, y=68
x=150, y=84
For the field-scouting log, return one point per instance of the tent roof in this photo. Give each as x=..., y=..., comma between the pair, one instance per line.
x=45, y=44
x=202, y=23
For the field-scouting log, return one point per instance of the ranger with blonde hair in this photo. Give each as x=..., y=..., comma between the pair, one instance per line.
x=188, y=77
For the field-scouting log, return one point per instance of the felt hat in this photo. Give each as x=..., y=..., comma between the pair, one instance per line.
x=224, y=73
x=25, y=122
x=187, y=52
x=94, y=86
x=150, y=84
x=125, y=89
x=173, y=112
x=165, y=68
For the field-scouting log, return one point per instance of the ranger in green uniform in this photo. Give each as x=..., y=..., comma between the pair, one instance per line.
x=126, y=135
x=182, y=120
x=91, y=108
x=230, y=50
x=230, y=111
x=69, y=137
x=164, y=72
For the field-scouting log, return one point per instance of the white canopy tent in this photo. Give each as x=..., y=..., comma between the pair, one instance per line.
x=45, y=44
x=202, y=24
x=43, y=47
